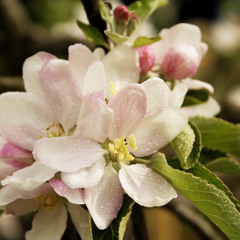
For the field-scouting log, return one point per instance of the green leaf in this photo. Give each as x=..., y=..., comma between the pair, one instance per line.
x=93, y=34
x=117, y=228
x=115, y=37
x=143, y=41
x=218, y=134
x=144, y=8
x=205, y=191
x=208, y=155
x=187, y=146
x=194, y=97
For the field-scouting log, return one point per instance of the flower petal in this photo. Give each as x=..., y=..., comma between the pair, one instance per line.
x=94, y=120
x=105, y=199
x=67, y=154
x=32, y=118
x=156, y=131
x=31, y=69
x=11, y=150
x=80, y=58
x=72, y=195
x=9, y=193
x=121, y=65
x=60, y=94
x=158, y=94
x=129, y=107
x=49, y=224
x=21, y=207
x=30, y=177
x=145, y=186
x=206, y=109
x=80, y=218
x=85, y=177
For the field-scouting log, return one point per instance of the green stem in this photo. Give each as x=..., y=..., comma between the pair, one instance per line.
x=140, y=160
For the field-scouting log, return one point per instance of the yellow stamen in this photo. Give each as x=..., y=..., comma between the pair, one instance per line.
x=47, y=201
x=54, y=130
x=119, y=148
x=113, y=89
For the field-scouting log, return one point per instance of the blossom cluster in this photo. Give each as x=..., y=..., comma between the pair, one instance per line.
x=77, y=135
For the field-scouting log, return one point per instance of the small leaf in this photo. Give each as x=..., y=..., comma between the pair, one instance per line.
x=187, y=146
x=225, y=165
x=92, y=34
x=218, y=134
x=210, y=195
x=144, y=8
x=115, y=37
x=105, y=13
x=194, y=97
x=117, y=228
x=143, y=41
x=208, y=155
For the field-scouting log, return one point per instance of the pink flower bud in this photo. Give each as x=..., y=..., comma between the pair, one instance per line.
x=121, y=13
x=146, y=58
x=134, y=16
x=181, y=61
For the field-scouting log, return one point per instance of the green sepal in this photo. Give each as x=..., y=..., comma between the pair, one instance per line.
x=194, y=97
x=93, y=34
x=115, y=37
x=205, y=191
x=144, y=41
x=144, y=8
x=218, y=134
x=117, y=228
x=187, y=146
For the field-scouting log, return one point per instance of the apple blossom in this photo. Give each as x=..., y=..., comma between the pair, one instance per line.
x=180, y=51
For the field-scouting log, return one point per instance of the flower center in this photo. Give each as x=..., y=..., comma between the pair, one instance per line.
x=119, y=149
x=47, y=201
x=54, y=130
x=114, y=89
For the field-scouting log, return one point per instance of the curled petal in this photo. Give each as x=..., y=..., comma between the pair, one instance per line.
x=105, y=199
x=85, y=177
x=74, y=196
x=145, y=186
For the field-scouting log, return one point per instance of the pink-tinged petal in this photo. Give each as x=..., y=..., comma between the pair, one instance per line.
x=80, y=58
x=3, y=142
x=19, y=162
x=158, y=94
x=23, y=118
x=129, y=107
x=49, y=224
x=74, y=196
x=145, y=186
x=30, y=177
x=59, y=92
x=146, y=58
x=94, y=83
x=177, y=96
x=181, y=61
x=122, y=65
x=9, y=194
x=11, y=150
x=105, y=199
x=94, y=120
x=21, y=207
x=80, y=219
x=67, y=154
x=207, y=109
x=85, y=177
x=31, y=69
x=156, y=131
x=193, y=84
x=6, y=169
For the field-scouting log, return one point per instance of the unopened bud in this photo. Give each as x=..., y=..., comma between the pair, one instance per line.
x=121, y=13
x=146, y=58
x=181, y=61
